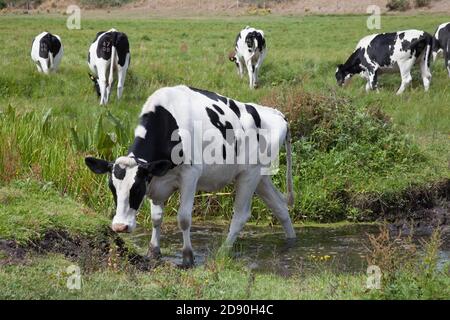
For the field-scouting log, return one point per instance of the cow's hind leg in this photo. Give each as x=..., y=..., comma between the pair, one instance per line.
x=426, y=73
x=447, y=57
x=277, y=203
x=184, y=217
x=121, y=74
x=245, y=188
x=405, y=72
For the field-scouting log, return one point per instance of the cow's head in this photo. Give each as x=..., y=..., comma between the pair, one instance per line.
x=342, y=75
x=128, y=181
x=96, y=86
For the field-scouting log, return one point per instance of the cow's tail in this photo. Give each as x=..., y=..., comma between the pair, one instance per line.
x=50, y=61
x=113, y=61
x=428, y=57
x=289, y=182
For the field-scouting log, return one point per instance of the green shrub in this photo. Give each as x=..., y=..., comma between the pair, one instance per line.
x=422, y=3
x=104, y=3
x=398, y=5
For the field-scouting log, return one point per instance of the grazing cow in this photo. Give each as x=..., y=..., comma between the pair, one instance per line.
x=110, y=51
x=442, y=44
x=47, y=51
x=250, y=50
x=381, y=52
x=195, y=140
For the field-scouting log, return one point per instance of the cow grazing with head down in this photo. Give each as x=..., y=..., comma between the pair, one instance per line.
x=109, y=52
x=194, y=140
x=46, y=52
x=442, y=44
x=381, y=52
x=250, y=51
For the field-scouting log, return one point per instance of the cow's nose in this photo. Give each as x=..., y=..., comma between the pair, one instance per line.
x=119, y=227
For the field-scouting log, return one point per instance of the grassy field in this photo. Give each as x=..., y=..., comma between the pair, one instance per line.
x=354, y=152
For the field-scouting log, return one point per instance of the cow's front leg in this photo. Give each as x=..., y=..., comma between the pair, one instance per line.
x=250, y=69
x=240, y=68
x=154, y=250
x=184, y=217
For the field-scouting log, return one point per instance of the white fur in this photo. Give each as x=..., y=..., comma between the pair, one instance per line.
x=50, y=64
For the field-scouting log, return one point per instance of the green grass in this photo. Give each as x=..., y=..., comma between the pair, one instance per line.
x=50, y=123
x=28, y=210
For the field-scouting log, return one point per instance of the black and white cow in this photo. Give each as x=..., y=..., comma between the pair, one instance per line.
x=377, y=53
x=195, y=140
x=110, y=51
x=442, y=44
x=250, y=51
x=46, y=52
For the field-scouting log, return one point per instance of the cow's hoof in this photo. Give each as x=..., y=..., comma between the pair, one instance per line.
x=154, y=253
x=188, y=259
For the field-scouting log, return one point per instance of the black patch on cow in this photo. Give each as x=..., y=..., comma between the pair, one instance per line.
x=119, y=172
x=89, y=57
x=401, y=35
x=255, y=115
x=157, y=144
x=381, y=48
x=237, y=39
x=351, y=66
x=224, y=151
x=211, y=95
x=215, y=120
x=218, y=109
x=251, y=36
x=117, y=39
x=443, y=42
x=112, y=188
x=139, y=189
x=98, y=35
x=234, y=108
x=49, y=43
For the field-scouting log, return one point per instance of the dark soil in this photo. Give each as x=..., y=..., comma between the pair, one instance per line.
x=91, y=253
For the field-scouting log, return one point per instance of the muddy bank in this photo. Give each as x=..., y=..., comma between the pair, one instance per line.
x=91, y=253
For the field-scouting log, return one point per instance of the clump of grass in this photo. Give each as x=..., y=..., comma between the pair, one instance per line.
x=409, y=270
x=422, y=3
x=398, y=5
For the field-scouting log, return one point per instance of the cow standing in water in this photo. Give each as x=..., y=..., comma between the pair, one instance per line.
x=442, y=44
x=250, y=51
x=109, y=52
x=195, y=140
x=377, y=53
x=46, y=52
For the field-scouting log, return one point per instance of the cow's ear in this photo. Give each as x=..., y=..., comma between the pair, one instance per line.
x=157, y=168
x=98, y=166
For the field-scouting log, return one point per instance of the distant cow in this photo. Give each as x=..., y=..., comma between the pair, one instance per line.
x=442, y=44
x=46, y=52
x=381, y=52
x=250, y=51
x=110, y=51
x=179, y=127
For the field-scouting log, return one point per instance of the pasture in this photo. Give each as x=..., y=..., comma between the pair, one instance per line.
x=357, y=156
